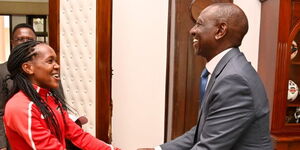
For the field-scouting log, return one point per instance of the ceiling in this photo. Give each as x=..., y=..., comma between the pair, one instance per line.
x=42, y=1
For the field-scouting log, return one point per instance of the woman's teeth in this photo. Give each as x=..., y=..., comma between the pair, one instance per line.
x=56, y=76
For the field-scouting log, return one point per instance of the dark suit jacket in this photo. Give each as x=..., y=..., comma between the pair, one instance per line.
x=235, y=112
x=3, y=73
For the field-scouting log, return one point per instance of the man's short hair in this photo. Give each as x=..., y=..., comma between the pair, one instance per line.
x=22, y=25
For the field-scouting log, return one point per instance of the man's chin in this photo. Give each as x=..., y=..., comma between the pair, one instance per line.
x=197, y=52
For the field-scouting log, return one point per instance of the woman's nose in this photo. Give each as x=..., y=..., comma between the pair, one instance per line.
x=56, y=65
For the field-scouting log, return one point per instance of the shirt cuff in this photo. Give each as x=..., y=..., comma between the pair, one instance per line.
x=157, y=148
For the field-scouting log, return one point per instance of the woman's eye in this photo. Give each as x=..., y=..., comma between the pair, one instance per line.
x=50, y=61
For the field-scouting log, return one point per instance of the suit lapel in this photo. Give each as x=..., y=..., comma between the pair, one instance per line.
x=219, y=68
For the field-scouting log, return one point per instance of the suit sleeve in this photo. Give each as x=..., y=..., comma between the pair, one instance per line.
x=230, y=112
x=83, y=139
x=183, y=142
x=3, y=142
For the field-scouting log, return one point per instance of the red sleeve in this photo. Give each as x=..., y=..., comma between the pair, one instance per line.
x=83, y=139
x=27, y=123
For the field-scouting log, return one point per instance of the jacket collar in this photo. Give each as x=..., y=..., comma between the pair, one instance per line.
x=220, y=66
x=41, y=91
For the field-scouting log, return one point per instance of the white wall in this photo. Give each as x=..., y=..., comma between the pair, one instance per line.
x=250, y=44
x=139, y=48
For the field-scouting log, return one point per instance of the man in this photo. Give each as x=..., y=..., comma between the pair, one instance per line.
x=21, y=33
x=234, y=114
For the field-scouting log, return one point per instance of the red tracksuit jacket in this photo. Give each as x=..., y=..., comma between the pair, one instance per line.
x=26, y=128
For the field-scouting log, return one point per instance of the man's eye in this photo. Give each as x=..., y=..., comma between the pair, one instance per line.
x=23, y=39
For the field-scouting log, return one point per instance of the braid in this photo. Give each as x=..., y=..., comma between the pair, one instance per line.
x=21, y=54
x=60, y=101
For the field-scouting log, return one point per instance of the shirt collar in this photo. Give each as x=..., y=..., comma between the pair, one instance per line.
x=211, y=65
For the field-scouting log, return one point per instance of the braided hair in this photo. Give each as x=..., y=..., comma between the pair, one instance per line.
x=21, y=54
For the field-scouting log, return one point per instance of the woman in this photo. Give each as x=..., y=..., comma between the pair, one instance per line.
x=35, y=117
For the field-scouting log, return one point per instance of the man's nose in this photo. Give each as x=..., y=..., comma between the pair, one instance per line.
x=192, y=31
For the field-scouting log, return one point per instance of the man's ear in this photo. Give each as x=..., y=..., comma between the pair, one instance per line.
x=27, y=68
x=222, y=30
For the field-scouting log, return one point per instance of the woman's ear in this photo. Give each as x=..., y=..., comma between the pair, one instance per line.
x=27, y=68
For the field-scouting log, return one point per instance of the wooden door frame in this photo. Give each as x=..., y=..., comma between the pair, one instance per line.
x=103, y=60
x=103, y=69
x=53, y=20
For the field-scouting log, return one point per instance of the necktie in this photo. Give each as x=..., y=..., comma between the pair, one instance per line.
x=204, y=77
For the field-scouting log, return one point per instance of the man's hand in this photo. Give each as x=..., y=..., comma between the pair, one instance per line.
x=3, y=148
x=145, y=149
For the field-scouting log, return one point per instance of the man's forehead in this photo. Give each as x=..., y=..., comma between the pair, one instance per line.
x=209, y=12
x=202, y=17
x=24, y=30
